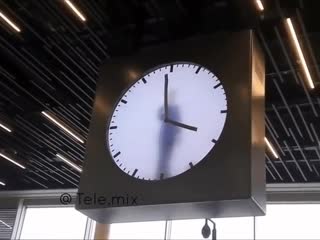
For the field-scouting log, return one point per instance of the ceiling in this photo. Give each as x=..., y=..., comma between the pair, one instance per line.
x=52, y=65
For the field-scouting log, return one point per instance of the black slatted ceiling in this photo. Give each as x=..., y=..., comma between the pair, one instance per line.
x=7, y=219
x=53, y=65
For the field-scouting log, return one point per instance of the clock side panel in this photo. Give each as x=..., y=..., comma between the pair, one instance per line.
x=258, y=125
x=225, y=173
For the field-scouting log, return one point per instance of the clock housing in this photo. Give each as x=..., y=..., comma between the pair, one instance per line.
x=228, y=182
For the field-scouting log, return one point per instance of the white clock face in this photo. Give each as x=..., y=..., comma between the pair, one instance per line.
x=167, y=121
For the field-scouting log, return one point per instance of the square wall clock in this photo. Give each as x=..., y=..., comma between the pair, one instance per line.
x=177, y=132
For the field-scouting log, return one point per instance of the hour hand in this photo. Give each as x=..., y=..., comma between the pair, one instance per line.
x=166, y=82
x=178, y=124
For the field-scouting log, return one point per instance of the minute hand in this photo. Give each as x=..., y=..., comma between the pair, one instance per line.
x=166, y=96
x=178, y=124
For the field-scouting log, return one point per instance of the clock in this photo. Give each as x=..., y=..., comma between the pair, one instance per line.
x=167, y=121
x=177, y=132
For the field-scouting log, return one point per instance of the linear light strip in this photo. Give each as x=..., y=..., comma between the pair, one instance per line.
x=71, y=164
x=260, y=5
x=299, y=51
x=51, y=118
x=7, y=225
x=75, y=9
x=5, y=128
x=271, y=148
x=7, y=20
x=2, y=183
x=13, y=161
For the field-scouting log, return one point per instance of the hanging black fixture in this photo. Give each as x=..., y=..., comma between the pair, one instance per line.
x=206, y=230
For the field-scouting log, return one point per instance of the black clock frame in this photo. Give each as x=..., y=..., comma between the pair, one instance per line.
x=229, y=182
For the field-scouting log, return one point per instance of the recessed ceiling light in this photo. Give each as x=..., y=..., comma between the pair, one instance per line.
x=65, y=128
x=71, y=164
x=2, y=183
x=7, y=225
x=259, y=5
x=11, y=160
x=8, y=21
x=75, y=10
x=299, y=51
x=5, y=128
x=271, y=148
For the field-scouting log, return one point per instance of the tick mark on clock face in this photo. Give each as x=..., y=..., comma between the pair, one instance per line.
x=113, y=127
x=171, y=68
x=144, y=80
x=223, y=111
x=214, y=140
x=134, y=172
x=218, y=85
x=124, y=101
x=191, y=164
x=198, y=69
x=117, y=154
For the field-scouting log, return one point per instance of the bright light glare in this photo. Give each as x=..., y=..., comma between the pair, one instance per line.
x=71, y=164
x=271, y=148
x=2, y=183
x=289, y=221
x=13, y=161
x=299, y=51
x=138, y=230
x=61, y=126
x=53, y=223
x=73, y=7
x=260, y=5
x=7, y=20
x=5, y=128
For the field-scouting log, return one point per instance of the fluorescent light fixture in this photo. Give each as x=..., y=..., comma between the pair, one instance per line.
x=2, y=183
x=76, y=10
x=7, y=20
x=299, y=51
x=71, y=164
x=259, y=5
x=51, y=118
x=13, y=161
x=7, y=225
x=271, y=148
x=5, y=128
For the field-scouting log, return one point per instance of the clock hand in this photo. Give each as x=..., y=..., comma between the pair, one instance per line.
x=178, y=124
x=166, y=97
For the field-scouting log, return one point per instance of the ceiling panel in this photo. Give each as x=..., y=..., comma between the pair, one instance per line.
x=52, y=65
